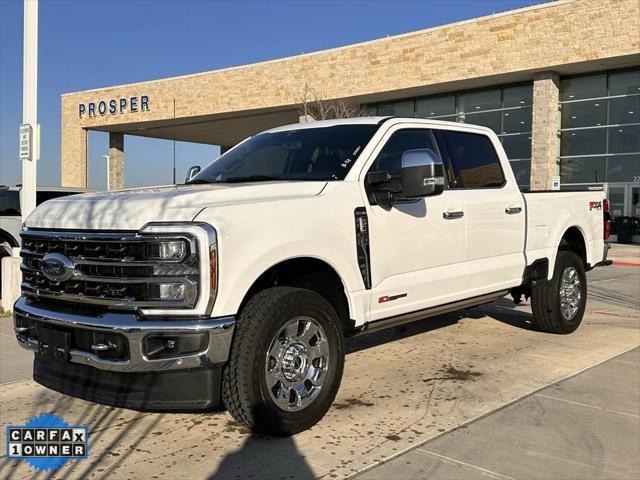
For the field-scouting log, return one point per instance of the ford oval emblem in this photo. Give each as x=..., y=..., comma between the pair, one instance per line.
x=56, y=267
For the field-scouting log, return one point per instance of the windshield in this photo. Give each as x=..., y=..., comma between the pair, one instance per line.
x=322, y=153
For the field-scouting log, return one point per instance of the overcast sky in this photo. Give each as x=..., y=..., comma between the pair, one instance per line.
x=90, y=44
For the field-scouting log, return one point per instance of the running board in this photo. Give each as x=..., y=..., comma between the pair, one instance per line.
x=429, y=312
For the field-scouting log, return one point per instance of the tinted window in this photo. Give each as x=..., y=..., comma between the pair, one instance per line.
x=474, y=160
x=390, y=157
x=322, y=153
x=9, y=203
x=43, y=196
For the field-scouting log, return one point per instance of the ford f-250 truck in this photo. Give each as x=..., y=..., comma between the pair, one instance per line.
x=238, y=288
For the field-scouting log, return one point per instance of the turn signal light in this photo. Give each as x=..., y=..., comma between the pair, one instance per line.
x=213, y=264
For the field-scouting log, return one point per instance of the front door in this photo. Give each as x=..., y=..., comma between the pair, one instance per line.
x=417, y=247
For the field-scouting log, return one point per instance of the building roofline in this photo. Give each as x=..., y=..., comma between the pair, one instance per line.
x=545, y=4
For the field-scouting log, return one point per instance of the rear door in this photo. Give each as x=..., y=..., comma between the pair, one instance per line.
x=494, y=210
x=417, y=247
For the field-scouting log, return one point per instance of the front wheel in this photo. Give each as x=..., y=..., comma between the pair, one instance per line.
x=286, y=361
x=558, y=305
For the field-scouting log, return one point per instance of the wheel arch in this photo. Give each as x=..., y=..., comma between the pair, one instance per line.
x=573, y=240
x=308, y=272
x=7, y=237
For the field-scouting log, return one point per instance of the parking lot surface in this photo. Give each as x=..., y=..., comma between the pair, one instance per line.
x=402, y=392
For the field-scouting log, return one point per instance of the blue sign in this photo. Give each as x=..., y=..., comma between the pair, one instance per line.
x=46, y=442
x=114, y=106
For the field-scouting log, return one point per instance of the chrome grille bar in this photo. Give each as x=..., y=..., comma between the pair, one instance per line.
x=110, y=268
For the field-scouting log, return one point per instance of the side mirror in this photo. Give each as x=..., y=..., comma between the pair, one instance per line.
x=422, y=174
x=192, y=172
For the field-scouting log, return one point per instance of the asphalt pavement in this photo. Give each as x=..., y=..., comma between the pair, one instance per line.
x=473, y=394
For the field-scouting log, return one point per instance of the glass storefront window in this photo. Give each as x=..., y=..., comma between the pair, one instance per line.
x=517, y=146
x=591, y=86
x=436, y=106
x=584, y=114
x=623, y=168
x=596, y=127
x=517, y=96
x=397, y=109
x=624, y=110
x=485, y=119
x=522, y=171
x=370, y=110
x=624, y=83
x=583, y=170
x=624, y=139
x=516, y=120
x=583, y=142
x=506, y=110
x=478, y=101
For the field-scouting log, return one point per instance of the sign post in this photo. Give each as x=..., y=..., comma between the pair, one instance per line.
x=29, y=131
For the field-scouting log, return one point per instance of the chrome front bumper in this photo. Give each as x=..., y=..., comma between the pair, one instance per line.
x=134, y=331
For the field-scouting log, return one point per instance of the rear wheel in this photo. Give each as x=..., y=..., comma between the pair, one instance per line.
x=558, y=305
x=286, y=361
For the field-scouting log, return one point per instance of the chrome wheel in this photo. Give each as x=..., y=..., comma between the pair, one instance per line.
x=570, y=293
x=297, y=363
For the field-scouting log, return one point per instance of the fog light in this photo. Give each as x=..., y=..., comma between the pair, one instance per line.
x=171, y=291
x=173, y=250
x=165, y=346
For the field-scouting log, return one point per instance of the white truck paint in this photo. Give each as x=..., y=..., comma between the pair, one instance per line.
x=424, y=252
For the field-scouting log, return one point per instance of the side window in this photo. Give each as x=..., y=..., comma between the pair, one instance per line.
x=390, y=157
x=9, y=203
x=474, y=160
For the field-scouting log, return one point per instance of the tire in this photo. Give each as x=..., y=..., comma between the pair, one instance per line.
x=267, y=358
x=546, y=297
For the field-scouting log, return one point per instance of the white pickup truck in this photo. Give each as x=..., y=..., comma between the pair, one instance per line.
x=238, y=288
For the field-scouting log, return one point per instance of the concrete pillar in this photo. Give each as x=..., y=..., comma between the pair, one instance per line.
x=73, y=154
x=544, y=136
x=116, y=160
x=11, y=280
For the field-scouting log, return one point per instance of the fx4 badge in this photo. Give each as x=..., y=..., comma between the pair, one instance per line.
x=595, y=205
x=389, y=298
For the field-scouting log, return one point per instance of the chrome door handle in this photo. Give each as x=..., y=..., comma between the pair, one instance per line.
x=452, y=214
x=512, y=210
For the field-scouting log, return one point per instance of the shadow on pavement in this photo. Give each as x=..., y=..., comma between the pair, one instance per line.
x=255, y=458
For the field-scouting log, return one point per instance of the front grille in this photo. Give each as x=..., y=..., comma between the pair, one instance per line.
x=113, y=269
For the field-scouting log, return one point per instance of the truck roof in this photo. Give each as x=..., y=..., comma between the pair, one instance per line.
x=376, y=120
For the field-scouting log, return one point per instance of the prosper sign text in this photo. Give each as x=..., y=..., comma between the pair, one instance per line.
x=114, y=106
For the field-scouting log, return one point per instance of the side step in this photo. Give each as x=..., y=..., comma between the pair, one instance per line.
x=429, y=312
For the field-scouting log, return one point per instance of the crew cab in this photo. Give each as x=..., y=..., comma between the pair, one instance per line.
x=238, y=288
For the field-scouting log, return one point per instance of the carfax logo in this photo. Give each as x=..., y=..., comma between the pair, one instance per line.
x=46, y=442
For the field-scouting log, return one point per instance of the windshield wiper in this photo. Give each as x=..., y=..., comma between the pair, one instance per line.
x=249, y=178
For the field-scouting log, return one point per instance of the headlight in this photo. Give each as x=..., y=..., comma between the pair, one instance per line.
x=171, y=291
x=171, y=250
x=186, y=267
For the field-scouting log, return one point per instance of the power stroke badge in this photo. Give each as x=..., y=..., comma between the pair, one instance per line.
x=46, y=442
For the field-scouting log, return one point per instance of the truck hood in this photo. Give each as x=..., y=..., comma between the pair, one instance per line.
x=134, y=208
